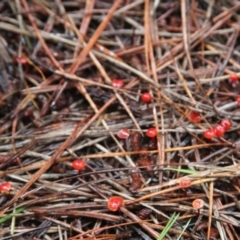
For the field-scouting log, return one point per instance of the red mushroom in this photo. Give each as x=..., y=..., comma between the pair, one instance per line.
x=209, y=134
x=5, y=187
x=233, y=78
x=185, y=183
x=114, y=203
x=226, y=124
x=151, y=132
x=219, y=130
x=195, y=117
x=117, y=83
x=123, y=133
x=78, y=164
x=198, y=204
x=146, y=97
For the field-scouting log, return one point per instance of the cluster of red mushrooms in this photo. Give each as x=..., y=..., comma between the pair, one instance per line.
x=116, y=202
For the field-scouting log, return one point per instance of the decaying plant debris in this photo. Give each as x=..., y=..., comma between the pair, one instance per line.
x=57, y=104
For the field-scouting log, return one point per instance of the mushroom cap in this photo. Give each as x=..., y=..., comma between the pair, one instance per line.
x=146, y=97
x=5, y=187
x=185, y=183
x=151, y=132
x=198, y=203
x=117, y=83
x=123, y=133
x=115, y=202
x=78, y=164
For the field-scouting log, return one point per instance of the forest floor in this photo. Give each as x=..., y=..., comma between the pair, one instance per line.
x=119, y=119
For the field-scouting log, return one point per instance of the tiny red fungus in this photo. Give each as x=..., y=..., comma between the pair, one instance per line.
x=185, y=183
x=123, y=133
x=219, y=130
x=151, y=132
x=198, y=204
x=226, y=124
x=238, y=100
x=21, y=60
x=117, y=83
x=146, y=97
x=209, y=134
x=114, y=203
x=5, y=187
x=233, y=78
x=78, y=164
x=195, y=117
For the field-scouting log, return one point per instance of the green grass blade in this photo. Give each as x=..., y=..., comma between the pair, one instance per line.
x=4, y=219
x=185, y=227
x=170, y=223
x=187, y=171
